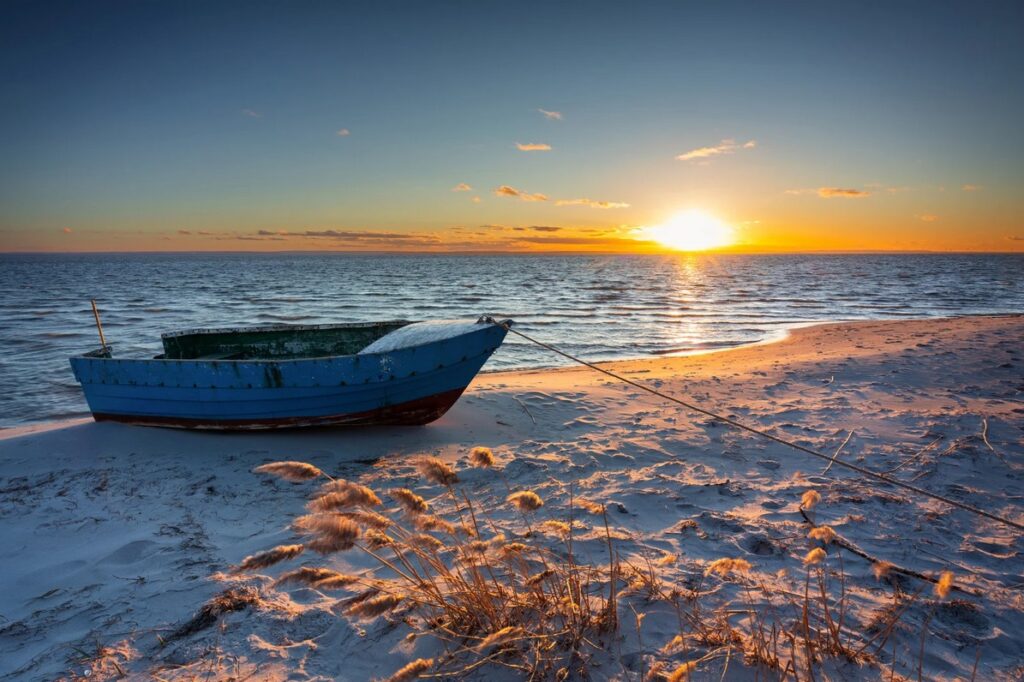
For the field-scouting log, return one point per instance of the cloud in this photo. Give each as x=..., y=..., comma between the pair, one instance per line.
x=1016, y=237
x=251, y=114
x=358, y=239
x=536, y=228
x=533, y=147
x=506, y=191
x=343, y=132
x=927, y=217
x=184, y=232
x=476, y=200
x=462, y=187
x=609, y=242
x=591, y=203
x=551, y=115
x=727, y=146
x=842, y=193
x=971, y=188
x=358, y=235
x=67, y=230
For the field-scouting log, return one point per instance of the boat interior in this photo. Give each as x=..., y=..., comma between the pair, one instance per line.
x=275, y=342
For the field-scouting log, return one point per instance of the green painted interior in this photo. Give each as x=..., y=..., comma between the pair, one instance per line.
x=276, y=343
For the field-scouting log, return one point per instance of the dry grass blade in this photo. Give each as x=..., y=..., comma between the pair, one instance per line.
x=290, y=471
x=375, y=606
x=823, y=534
x=810, y=498
x=595, y=508
x=725, y=566
x=436, y=471
x=556, y=527
x=376, y=539
x=343, y=494
x=270, y=557
x=410, y=501
x=412, y=670
x=306, y=575
x=424, y=541
x=526, y=501
x=370, y=519
x=428, y=522
x=682, y=672
x=538, y=578
x=481, y=457
x=331, y=532
x=502, y=636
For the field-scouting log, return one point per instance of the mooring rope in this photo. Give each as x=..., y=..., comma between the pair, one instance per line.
x=764, y=434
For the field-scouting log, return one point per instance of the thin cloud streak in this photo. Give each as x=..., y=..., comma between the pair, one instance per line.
x=841, y=193
x=591, y=203
x=344, y=132
x=462, y=187
x=533, y=147
x=507, y=191
x=727, y=146
x=251, y=114
x=551, y=115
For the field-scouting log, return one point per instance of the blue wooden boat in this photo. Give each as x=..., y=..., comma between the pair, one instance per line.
x=285, y=376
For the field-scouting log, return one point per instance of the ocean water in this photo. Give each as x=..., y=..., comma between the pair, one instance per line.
x=599, y=307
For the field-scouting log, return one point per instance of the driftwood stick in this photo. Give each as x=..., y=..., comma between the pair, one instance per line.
x=854, y=549
x=838, y=450
x=525, y=408
x=984, y=437
x=915, y=457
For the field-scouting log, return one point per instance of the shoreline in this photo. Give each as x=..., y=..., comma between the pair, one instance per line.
x=786, y=334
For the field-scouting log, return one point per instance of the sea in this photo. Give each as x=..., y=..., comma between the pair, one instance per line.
x=596, y=307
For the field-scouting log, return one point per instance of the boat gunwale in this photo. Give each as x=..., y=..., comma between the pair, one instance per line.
x=199, y=331
x=319, y=358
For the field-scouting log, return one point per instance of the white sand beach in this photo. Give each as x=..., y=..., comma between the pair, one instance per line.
x=115, y=536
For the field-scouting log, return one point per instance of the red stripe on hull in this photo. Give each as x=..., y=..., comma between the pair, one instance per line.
x=412, y=413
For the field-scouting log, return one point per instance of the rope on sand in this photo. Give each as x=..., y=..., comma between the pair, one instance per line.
x=764, y=434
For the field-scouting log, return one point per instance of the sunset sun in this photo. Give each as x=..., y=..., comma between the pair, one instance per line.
x=692, y=230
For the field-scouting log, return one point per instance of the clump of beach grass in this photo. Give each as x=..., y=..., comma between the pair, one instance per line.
x=411, y=670
x=481, y=457
x=528, y=603
x=290, y=471
x=443, y=568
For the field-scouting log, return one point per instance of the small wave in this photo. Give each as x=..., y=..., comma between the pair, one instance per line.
x=284, y=318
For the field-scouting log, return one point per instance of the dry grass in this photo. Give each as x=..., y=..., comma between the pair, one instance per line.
x=526, y=602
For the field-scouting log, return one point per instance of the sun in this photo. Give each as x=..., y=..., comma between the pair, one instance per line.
x=692, y=230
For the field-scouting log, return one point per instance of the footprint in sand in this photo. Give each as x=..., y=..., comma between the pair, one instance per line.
x=131, y=553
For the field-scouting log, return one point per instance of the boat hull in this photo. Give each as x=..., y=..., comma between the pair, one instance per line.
x=409, y=386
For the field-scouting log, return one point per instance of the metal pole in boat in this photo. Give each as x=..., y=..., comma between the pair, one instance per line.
x=99, y=326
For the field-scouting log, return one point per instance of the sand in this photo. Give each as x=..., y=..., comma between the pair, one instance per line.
x=111, y=533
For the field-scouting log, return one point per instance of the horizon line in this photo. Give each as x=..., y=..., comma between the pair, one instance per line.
x=345, y=252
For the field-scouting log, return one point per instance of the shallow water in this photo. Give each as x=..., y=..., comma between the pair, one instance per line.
x=599, y=307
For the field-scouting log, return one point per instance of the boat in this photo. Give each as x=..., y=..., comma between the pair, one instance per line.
x=286, y=376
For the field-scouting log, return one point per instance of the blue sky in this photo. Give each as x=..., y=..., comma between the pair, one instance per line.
x=223, y=117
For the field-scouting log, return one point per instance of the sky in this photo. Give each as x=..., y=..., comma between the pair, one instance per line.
x=487, y=126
